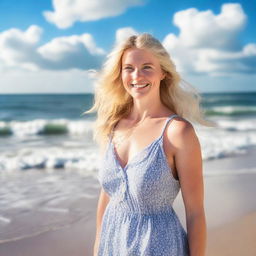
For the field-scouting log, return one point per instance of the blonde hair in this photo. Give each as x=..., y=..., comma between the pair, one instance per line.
x=112, y=102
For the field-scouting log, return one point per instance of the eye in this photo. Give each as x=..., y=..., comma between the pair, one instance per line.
x=147, y=67
x=127, y=68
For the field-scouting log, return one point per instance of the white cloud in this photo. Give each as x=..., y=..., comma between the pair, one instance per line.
x=224, y=62
x=209, y=43
x=123, y=33
x=17, y=45
x=204, y=29
x=20, y=49
x=67, y=12
x=71, y=52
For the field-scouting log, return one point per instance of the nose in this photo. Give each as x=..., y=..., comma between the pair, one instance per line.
x=136, y=74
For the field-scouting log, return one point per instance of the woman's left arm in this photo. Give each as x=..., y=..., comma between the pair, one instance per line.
x=188, y=162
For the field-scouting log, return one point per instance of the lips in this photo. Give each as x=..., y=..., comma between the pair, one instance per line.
x=139, y=85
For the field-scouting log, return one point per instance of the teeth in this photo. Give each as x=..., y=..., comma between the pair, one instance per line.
x=139, y=85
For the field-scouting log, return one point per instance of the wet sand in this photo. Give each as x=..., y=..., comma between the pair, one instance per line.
x=230, y=207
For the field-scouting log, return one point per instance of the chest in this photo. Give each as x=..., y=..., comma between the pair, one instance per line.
x=127, y=146
x=128, y=140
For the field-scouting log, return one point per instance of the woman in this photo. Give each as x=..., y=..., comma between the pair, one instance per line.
x=150, y=151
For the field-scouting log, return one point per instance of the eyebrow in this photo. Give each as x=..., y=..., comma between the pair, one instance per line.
x=147, y=63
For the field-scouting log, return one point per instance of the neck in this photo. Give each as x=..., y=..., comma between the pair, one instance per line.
x=147, y=108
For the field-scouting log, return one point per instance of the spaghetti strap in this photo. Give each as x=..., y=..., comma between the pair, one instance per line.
x=166, y=123
x=110, y=135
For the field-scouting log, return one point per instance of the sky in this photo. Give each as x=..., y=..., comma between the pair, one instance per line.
x=54, y=46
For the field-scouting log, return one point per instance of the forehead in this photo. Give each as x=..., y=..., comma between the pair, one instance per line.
x=138, y=56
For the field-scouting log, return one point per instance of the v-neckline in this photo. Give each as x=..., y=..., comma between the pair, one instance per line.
x=134, y=156
x=130, y=161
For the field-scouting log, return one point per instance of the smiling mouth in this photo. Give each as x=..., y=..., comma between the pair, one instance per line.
x=139, y=85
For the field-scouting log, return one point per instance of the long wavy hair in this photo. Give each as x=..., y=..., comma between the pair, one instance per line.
x=112, y=102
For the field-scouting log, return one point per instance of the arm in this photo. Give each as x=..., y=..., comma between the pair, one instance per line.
x=188, y=163
x=102, y=204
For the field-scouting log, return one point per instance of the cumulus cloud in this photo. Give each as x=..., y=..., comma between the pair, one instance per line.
x=67, y=12
x=201, y=29
x=209, y=43
x=225, y=62
x=71, y=52
x=20, y=49
x=17, y=45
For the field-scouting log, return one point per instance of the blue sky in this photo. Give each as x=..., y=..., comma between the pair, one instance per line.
x=49, y=46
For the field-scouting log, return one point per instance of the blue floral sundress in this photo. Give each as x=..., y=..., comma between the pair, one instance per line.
x=139, y=219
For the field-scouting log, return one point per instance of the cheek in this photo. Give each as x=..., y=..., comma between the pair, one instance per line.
x=125, y=78
x=151, y=75
x=124, y=81
x=122, y=76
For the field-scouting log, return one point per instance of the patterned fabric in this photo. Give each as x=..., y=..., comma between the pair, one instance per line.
x=139, y=219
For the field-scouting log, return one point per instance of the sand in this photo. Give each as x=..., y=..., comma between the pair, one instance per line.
x=234, y=239
x=230, y=211
x=76, y=240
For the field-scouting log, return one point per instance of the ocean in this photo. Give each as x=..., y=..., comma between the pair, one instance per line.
x=48, y=160
x=51, y=132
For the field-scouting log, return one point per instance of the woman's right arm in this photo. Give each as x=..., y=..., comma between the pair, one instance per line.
x=102, y=204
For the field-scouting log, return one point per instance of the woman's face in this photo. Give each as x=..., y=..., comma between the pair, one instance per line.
x=141, y=72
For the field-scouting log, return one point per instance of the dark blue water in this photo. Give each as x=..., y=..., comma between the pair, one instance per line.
x=230, y=104
x=71, y=106
x=44, y=106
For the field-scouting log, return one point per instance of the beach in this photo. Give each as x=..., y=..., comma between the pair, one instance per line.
x=229, y=204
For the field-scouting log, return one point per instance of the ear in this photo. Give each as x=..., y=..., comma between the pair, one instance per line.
x=163, y=75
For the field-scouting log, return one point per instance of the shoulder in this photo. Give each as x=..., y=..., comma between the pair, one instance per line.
x=180, y=133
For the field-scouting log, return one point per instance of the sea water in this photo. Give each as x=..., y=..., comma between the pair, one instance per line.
x=51, y=132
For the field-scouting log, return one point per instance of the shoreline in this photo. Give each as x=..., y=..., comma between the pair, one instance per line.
x=229, y=205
